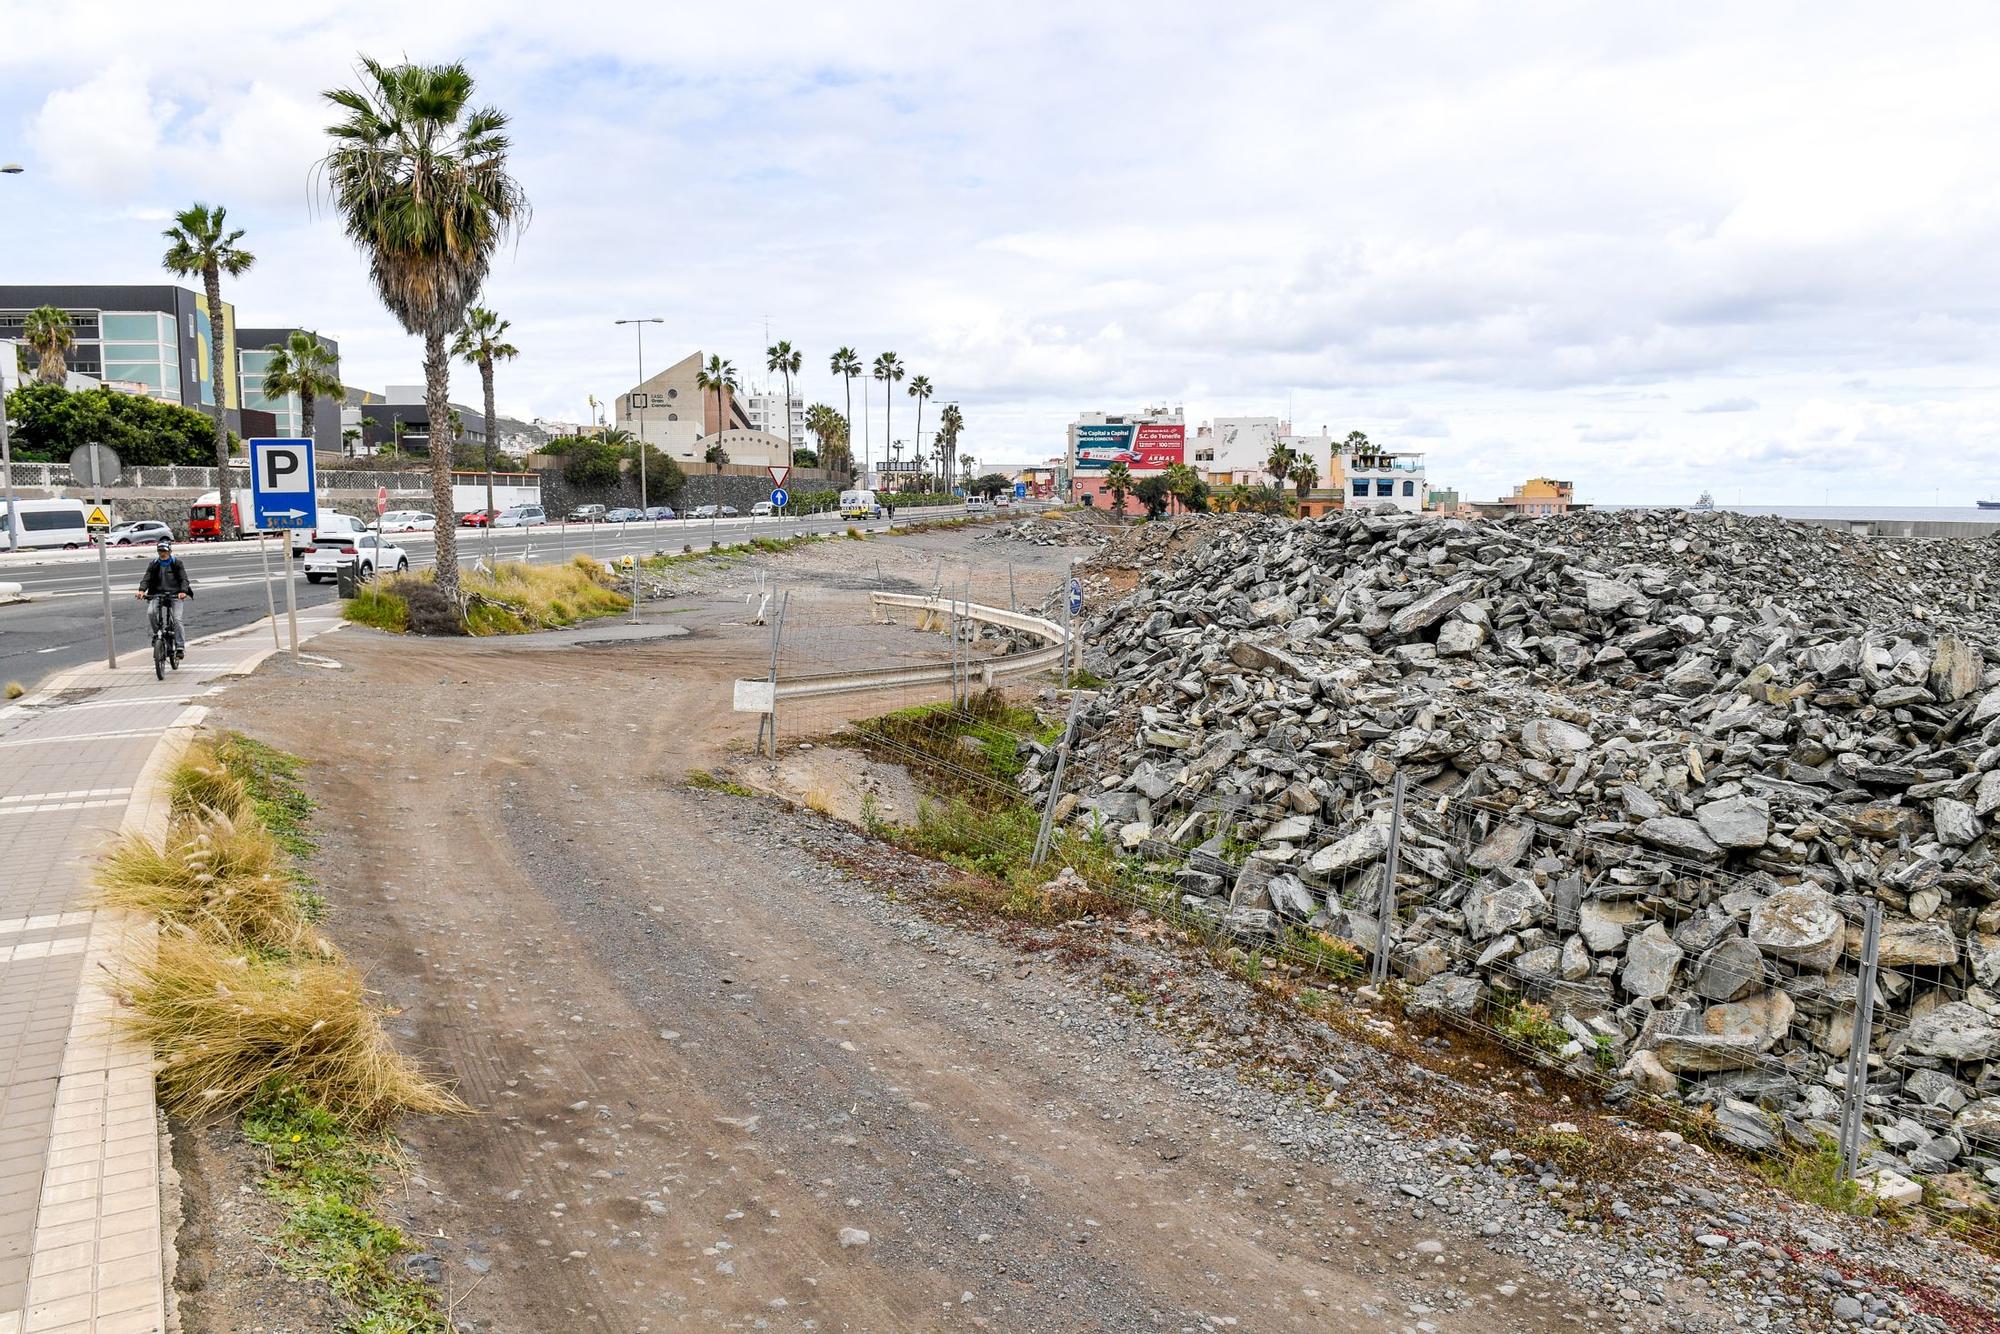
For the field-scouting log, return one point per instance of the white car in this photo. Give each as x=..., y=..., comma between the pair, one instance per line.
x=138, y=533
x=409, y=521
x=763, y=508
x=328, y=553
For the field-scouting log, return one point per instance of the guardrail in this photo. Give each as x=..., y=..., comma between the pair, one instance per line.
x=847, y=681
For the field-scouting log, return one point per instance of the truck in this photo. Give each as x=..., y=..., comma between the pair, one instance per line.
x=860, y=505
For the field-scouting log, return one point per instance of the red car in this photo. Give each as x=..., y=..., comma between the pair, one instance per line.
x=476, y=519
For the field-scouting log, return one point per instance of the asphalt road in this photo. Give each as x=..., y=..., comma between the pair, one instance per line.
x=62, y=624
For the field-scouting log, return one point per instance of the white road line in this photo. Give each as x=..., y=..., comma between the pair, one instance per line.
x=65, y=796
x=86, y=736
x=62, y=806
x=42, y=949
x=48, y=921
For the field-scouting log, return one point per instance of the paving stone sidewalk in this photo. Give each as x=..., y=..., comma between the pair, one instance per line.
x=80, y=1219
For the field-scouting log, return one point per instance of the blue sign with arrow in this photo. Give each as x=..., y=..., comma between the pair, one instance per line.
x=1075, y=596
x=282, y=494
x=780, y=498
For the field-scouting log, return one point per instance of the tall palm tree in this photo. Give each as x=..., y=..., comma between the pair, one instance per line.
x=720, y=376
x=951, y=422
x=482, y=340
x=48, y=331
x=920, y=389
x=421, y=177
x=1118, y=481
x=304, y=366
x=846, y=365
x=201, y=245
x=830, y=428
x=367, y=424
x=965, y=462
x=781, y=357
x=889, y=369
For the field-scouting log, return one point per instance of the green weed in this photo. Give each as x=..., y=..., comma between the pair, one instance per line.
x=1815, y=1176
x=708, y=782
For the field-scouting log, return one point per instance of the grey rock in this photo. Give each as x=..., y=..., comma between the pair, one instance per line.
x=1957, y=1032
x=1729, y=970
x=1734, y=822
x=1800, y=925
x=1364, y=845
x=1957, y=823
x=1505, y=846
x=1449, y=993
x=1552, y=738
x=1604, y=923
x=1704, y=1053
x=1682, y=837
x=1917, y=945
x=1955, y=669
x=1496, y=906
x=1651, y=962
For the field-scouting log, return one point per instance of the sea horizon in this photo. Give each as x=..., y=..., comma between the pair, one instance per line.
x=1908, y=513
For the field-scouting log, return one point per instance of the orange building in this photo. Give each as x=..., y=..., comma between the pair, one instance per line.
x=1538, y=496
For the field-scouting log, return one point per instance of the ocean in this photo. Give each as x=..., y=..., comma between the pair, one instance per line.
x=1896, y=513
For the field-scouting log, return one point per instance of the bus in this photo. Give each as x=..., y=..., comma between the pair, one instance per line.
x=46, y=523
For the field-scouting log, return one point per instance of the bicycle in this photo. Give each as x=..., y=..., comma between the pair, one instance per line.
x=160, y=616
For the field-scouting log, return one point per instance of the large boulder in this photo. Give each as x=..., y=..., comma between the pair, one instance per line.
x=1917, y=945
x=1651, y=961
x=1762, y=1019
x=1680, y=836
x=1705, y=1053
x=1358, y=849
x=1449, y=993
x=1433, y=607
x=1496, y=906
x=1800, y=925
x=1982, y=951
x=1604, y=922
x=1956, y=822
x=1553, y=739
x=1956, y=668
x=1460, y=638
x=1980, y=1121
x=1735, y=822
x=1730, y=970
x=1956, y=1031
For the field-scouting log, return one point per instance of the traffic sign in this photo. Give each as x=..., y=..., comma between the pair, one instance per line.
x=95, y=465
x=381, y=499
x=1075, y=596
x=97, y=518
x=281, y=484
x=779, y=472
x=780, y=497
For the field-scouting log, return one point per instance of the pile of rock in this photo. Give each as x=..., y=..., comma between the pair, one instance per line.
x=1055, y=530
x=1658, y=766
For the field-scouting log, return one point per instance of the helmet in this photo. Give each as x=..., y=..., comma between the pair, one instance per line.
x=165, y=546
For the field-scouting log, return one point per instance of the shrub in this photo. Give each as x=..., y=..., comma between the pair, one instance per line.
x=381, y=606
x=224, y=1022
x=222, y=878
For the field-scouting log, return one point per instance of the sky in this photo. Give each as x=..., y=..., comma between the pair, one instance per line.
x=1655, y=250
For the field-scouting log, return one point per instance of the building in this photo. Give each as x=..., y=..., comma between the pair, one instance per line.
x=766, y=412
x=1378, y=477
x=397, y=420
x=677, y=416
x=253, y=359
x=154, y=338
x=1539, y=496
x=1146, y=442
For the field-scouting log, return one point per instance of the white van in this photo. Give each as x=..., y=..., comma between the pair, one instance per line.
x=47, y=523
x=860, y=505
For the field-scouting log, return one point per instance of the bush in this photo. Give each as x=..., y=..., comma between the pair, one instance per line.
x=225, y=1021
x=146, y=432
x=512, y=599
x=224, y=878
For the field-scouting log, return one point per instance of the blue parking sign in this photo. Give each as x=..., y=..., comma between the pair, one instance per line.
x=282, y=494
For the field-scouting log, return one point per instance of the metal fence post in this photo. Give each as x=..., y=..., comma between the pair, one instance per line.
x=1012, y=603
x=1385, y=910
x=1046, y=833
x=770, y=720
x=1857, y=1050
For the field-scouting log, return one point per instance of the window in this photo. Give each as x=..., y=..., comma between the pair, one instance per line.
x=147, y=373
x=139, y=328
x=1385, y=486
x=1361, y=486
x=1409, y=488
x=673, y=416
x=673, y=393
x=49, y=521
x=132, y=352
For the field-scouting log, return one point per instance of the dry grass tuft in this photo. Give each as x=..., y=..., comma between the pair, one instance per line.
x=225, y=878
x=15, y=690
x=224, y=1022
x=201, y=782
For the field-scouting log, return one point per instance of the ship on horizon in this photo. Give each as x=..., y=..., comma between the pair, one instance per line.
x=1989, y=504
x=1707, y=502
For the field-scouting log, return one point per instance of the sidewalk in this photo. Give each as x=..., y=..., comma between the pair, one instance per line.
x=80, y=1224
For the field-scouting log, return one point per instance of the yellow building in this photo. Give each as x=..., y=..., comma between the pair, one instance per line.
x=1539, y=496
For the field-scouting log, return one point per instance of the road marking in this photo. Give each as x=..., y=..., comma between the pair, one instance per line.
x=65, y=796
x=48, y=921
x=62, y=806
x=42, y=949
x=87, y=736
x=57, y=649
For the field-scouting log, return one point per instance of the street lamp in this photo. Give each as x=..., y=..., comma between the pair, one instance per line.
x=639, y=331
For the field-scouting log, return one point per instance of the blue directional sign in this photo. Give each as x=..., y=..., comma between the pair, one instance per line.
x=1075, y=596
x=281, y=484
x=780, y=498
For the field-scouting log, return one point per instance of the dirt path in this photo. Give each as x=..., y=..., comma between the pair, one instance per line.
x=701, y=1052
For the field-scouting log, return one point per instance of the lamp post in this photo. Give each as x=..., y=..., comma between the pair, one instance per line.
x=639, y=333
x=6, y=449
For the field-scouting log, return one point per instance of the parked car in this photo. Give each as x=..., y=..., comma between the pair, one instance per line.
x=326, y=555
x=975, y=502
x=705, y=511
x=409, y=521
x=623, y=514
x=660, y=512
x=728, y=511
x=587, y=514
x=474, y=519
x=137, y=533
x=521, y=516
x=1004, y=502
x=762, y=509
x=333, y=525
x=48, y=523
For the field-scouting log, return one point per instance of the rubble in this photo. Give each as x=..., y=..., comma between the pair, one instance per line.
x=1657, y=764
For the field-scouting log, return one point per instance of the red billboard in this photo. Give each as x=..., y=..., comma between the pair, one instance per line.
x=1161, y=445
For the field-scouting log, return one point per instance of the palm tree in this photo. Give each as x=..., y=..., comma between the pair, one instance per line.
x=482, y=340
x=48, y=331
x=920, y=389
x=1305, y=476
x=201, y=246
x=782, y=358
x=366, y=424
x=965, y=461
x=720, y=376
x=846, y=365
x=830, y=429
x=953, y=422
x=1118, y=481
x=889, y=369
x=304, y=366
x=421, y=178
x=1279, y=462
x=396, y=429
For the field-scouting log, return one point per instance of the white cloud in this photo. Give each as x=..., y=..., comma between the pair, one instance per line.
x=1472, y=228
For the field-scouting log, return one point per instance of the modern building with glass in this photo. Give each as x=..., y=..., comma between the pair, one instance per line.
x=255, y=359
x=155, y=340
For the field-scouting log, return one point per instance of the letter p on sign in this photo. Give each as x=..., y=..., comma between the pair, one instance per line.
x=281, y=466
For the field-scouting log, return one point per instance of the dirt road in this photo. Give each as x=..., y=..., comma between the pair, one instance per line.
x=707, y=1059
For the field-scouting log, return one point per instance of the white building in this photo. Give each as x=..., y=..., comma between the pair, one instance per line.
x=765, y=409
x=1377, y=477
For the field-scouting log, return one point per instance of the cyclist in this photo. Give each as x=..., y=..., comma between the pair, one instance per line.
x=166, y=574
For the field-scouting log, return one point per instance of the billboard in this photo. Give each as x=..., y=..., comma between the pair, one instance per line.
x=1140, y=446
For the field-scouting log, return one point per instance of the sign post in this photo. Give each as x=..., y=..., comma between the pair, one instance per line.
x=98, y=466
x=779, y=496
x=282, y=496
